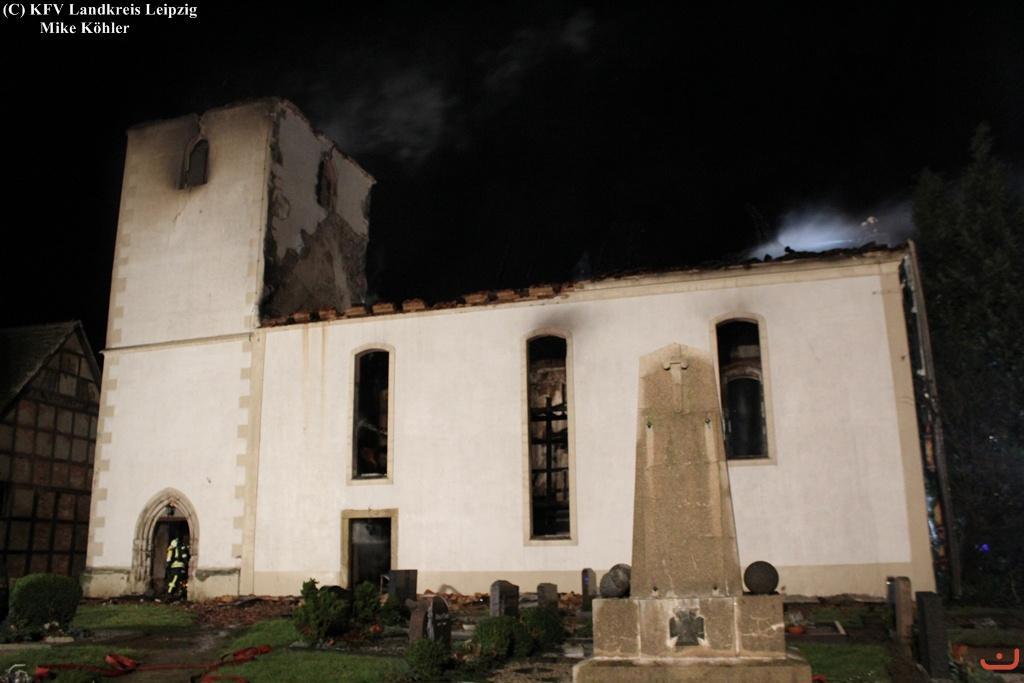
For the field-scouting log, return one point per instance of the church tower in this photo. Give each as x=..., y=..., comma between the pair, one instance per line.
x=227, y=218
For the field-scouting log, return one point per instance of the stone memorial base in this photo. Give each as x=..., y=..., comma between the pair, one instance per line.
x=657, y=670
x=712, y=638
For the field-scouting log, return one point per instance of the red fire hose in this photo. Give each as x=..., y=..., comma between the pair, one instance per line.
x=120, y=665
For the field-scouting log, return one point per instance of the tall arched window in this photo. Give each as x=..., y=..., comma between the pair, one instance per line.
x=548, y=429
x=370, y=428
x=742, y=387
x=197, y=156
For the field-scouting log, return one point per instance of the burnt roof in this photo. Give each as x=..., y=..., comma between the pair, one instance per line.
x=552, y=290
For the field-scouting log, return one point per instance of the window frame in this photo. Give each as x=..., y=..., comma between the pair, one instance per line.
x=350, y=467
x=347, y=516
x=766, y=385
x=570, y=398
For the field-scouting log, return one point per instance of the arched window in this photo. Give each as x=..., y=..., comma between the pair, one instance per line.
x=548, y=429
x=742, y=387
x=197, y=156
x=370, y=428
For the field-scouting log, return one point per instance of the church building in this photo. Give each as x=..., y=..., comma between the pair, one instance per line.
x=253, y=404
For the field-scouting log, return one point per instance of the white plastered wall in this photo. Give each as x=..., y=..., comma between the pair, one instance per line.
x=178, y=419
x=835, y=510
x=185, y=260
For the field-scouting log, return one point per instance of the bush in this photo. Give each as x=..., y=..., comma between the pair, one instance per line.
x=427, y=659
x=494, y=637
x=523, y=643
x=498, y=638
x=545, y=626
x=391, y=612
x=39, y=599
x=322, y=613
x=365, y=603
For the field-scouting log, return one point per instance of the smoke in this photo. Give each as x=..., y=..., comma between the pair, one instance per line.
x=407, y=111
x=401, y=114
x=531, y=47
x=820, y=227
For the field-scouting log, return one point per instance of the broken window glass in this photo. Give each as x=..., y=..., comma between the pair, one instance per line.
x=549, y=437
x=741, y=377
x=370, y=438
x=196, y=162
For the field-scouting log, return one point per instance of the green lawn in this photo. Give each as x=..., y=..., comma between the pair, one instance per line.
x=285, y=666
x=847, y=663
x=277, y=633
x=282, y=664
x=145, y=616
x=61, y=654
x=987, y=637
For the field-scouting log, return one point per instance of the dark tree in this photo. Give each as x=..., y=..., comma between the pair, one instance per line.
x=971, y=232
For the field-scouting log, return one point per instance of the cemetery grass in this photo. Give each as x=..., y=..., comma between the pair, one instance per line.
x=277, y=633
x=987, y=637
x=281, y=666
x=848, y=663
x=144, y=617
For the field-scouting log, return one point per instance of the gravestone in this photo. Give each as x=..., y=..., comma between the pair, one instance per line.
x=402, y=585
x=932, y=642
x=901, y=601
x=588, y=584
x=504, y=599
x=430, y=620
x=686, y=617
x=547, y=595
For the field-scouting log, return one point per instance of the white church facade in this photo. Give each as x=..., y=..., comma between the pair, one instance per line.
x=249, y=399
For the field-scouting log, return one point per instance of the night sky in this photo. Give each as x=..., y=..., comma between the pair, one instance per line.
x=518, y=143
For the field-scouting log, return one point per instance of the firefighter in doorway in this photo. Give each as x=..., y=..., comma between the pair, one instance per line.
x=177, y=569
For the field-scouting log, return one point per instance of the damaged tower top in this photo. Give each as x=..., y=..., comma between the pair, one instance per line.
x=242, y=213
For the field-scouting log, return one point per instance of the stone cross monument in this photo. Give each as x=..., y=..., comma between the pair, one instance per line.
x=686, y=618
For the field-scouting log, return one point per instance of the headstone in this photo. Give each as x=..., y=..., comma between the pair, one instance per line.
x=901, y=601
x=762, y=578
x=431, y=620
x=588, y=583
x=547, y=595
x=932, y=642
x=402, y=584
x=615, y=584
x=504, y=599
x=686, y=617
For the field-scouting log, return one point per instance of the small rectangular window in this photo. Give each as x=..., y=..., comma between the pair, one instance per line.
x=548, y=427
x=742, y=387
x=370, y=431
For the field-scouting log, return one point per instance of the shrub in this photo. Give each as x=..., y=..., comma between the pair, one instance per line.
x=494, y=637
x=523, y=643
x=39, y=599
x=427, y=659
x=545, y=626
x=322, y=613
x=391, y=612
x=365, y=603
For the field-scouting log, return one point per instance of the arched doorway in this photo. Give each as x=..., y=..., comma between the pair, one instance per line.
x=167, y=515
